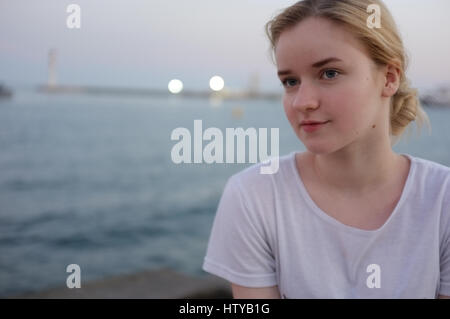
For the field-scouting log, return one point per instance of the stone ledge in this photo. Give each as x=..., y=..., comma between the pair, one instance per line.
x=156, y=284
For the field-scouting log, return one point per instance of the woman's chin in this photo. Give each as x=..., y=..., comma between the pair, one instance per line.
x=318, y=149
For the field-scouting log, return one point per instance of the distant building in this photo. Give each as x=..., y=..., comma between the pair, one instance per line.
x=5, y=92
x=439, y=97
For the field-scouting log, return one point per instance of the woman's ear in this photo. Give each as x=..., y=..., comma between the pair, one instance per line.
x=391, y=80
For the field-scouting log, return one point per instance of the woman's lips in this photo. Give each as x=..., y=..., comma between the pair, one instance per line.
x=312, y=127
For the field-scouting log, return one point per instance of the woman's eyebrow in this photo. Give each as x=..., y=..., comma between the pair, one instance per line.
x=284, y=72
x=325, y=61
x=315, y=65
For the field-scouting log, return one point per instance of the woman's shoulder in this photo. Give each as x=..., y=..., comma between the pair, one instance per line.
x=429, y=168
x=431, y=176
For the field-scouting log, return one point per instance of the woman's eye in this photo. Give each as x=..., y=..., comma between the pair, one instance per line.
x=289, y=83
x=329, y=73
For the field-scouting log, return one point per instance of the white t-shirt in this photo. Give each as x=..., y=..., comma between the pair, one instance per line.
x=268, y=231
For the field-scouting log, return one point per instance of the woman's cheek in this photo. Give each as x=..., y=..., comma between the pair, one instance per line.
x=291, y=116
x=288, y=109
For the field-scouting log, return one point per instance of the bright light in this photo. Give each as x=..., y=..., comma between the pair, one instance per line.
x=175, y=86
x=216, y=83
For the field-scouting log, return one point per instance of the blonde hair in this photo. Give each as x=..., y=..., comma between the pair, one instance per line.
x=384, y=46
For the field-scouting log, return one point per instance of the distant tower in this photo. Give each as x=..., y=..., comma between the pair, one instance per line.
x=52, y=68
x=253, y=84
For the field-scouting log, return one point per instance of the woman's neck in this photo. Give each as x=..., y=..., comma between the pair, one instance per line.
x=356, y=172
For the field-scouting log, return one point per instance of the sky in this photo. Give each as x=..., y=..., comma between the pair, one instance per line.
x=146, y=43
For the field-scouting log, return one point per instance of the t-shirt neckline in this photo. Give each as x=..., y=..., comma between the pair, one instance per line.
x=318, y=211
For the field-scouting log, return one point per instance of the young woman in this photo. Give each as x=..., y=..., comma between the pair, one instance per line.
x=348, y=218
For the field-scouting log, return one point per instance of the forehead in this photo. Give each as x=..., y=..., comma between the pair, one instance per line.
x=314, y=39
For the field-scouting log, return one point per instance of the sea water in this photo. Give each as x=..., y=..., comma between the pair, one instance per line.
x=89, y=180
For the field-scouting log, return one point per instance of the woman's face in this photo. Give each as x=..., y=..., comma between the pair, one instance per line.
x=347, y=94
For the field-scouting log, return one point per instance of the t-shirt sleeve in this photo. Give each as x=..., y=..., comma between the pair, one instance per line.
x=444, y=286
x=238, y=249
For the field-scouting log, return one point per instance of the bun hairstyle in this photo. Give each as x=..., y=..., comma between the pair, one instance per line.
x=384, y=46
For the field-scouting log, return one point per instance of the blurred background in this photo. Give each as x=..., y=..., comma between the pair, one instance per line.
x=86, y=115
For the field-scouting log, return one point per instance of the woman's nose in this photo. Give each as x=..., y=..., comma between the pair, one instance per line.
x=305, y=99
